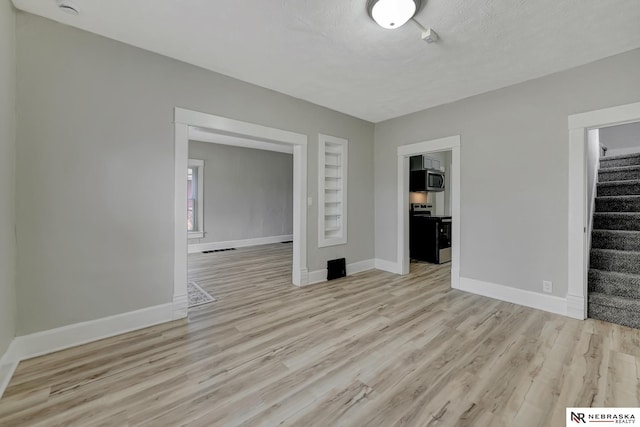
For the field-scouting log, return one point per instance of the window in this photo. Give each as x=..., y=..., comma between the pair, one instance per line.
x=195, y=199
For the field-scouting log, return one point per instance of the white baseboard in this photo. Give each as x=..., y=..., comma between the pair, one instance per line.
x=7, y=368
x=536, y=300
x=300, y=277
x=212, y=246
x=455, y=278
x=45, y=342
x=180, y=306
x=576, y=307
x=360, y=266
x=319, y=276
x=390, y=266
x=6, y=372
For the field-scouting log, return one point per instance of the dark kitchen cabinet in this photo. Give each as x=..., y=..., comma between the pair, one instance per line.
x=430, y=238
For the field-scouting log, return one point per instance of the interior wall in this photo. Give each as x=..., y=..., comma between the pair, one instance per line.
x=514, y=169
x=593, y=157
x=442, y=199
x=448, y=160
x=7, y=174
x=621, y=139
x=95, y=170
x=248, y=193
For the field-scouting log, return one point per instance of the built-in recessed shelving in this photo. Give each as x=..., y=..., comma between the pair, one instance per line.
x=332, y=191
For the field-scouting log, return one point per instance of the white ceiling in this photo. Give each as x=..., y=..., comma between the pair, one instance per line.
x=329, y=52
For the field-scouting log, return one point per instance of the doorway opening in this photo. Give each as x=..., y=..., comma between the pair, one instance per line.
x=240, y=218
x=430, y=208
x=192, y=125
x=581, y=128
x=448, y=208
x=613, y=218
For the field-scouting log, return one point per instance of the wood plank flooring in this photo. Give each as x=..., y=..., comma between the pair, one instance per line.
x=373, y=349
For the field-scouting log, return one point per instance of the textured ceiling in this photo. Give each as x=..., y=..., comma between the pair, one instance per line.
x=331, y=53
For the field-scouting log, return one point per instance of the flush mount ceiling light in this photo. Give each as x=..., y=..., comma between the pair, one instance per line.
x=392, y=14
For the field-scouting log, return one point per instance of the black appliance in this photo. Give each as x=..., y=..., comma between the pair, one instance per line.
x=429, y=235
x=426, y=180
x=425, y=174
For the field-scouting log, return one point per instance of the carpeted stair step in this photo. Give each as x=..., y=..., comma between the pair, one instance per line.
x=618, y=261
x=620, y=240
x=618, y=204
x=615, y=309
x=623, y=173
x=629, y=221
x=612, y=283
x=618, y=161
x=619, y=188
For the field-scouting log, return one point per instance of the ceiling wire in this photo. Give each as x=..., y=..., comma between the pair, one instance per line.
x=415, y=21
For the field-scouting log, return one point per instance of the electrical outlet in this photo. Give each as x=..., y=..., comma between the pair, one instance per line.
x=547, y=286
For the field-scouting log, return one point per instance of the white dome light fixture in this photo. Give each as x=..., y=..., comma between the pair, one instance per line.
x=391, y=14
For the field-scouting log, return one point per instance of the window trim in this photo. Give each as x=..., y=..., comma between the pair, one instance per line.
x=199, y=233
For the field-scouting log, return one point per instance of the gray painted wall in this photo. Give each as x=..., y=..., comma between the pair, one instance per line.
x=7, y=174
x=514, y=162
x=95, y=170
x=442, y=199
x=621, y=139
x=247, y=193
x=593, y=157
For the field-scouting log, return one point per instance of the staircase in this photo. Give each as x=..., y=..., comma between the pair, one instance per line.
x=614, y=271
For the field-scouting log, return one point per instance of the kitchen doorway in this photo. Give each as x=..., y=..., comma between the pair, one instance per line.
x=405, y=152
x=189, y=123
x=430, y=208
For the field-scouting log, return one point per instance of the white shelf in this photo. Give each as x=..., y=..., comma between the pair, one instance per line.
x=332, y=194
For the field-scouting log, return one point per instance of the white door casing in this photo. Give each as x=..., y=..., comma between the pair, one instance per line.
x=577, y=255
x=188, y=120
x=404, y=152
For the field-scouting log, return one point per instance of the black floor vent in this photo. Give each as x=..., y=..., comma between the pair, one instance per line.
x=219, y=250
x=336, y=268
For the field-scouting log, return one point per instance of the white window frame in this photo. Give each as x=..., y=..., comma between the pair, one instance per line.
x=330, y=178
x=198, y=165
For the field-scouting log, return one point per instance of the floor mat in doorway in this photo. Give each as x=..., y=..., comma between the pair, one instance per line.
x=197, y=295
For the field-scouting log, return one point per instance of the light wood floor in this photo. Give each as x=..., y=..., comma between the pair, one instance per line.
x=370, y=350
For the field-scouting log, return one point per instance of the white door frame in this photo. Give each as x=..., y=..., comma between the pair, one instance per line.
x=578, y=251
x=404, y=152
x=185, y=120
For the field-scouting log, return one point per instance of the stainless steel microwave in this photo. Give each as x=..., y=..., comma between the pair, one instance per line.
x=426, y=180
